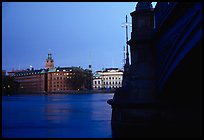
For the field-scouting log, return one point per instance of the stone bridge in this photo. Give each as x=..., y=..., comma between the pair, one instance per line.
x=163, y=97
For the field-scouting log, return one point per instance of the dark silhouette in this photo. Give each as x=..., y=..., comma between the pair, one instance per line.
x=9, y=85
x=163, y=96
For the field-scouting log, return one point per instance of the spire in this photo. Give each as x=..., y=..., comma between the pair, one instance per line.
x=49, y=56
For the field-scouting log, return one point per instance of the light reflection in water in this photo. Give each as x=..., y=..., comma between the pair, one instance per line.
x=62, y=116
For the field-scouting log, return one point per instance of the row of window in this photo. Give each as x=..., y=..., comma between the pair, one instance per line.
x=106, y=83
x=64, y=73
x=22, y=74
x=57, y=78
x=65, y=70
x=58, y=86
x=106, y=86
x=111, y=78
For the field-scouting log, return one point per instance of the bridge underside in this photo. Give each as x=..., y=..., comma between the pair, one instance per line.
x=182, y=94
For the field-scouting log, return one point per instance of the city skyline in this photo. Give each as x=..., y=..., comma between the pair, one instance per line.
x=76, y=33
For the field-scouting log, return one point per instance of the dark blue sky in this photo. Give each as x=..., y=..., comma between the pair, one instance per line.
x=76, y=33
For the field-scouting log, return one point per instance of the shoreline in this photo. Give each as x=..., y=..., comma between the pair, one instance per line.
x=61, y=92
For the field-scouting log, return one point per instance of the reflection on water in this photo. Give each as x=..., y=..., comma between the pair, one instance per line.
x=65, y=116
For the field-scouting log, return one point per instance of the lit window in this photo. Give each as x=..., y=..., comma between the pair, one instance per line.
x=67, y=73
x=57, y=70
x=57, y=73
x=64, y=70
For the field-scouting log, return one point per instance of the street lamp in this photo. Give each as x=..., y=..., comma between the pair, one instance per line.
x=126, y=24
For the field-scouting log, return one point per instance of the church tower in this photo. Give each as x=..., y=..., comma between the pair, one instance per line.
x=49, y=62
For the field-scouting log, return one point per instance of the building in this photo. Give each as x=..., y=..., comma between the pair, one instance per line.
x=68, y=78
x=53, y=79
x=30, y=80
x=110, y=78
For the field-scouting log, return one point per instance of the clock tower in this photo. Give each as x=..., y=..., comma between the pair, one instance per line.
x=49, y=62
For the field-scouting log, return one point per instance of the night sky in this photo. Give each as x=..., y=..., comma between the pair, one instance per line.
x=76, y=33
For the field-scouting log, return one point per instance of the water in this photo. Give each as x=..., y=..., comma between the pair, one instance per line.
x=56, y=116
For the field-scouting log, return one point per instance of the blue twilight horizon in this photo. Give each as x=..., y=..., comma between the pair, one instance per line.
x=76, y=33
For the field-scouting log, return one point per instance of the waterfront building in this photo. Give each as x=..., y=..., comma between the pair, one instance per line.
x=110, y=78
x=52, y=79
x=68, y=78
x=30, y=80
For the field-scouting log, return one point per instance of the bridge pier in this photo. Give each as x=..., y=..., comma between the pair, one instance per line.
x=163, y=96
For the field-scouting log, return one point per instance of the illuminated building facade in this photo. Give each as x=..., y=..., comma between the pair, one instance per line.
x=110, y=78
x=63, y=78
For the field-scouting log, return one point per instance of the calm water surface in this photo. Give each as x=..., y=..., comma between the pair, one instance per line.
x=56, y=116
